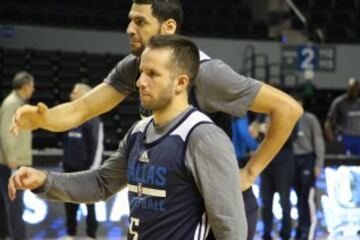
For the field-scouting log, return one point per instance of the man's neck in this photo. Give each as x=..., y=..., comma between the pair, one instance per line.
x=166, y=115
x=20, y=95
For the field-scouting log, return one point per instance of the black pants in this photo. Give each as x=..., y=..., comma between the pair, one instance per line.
x=277, y=179
x=251, y=209
x=71, y=212
x=11, y=221
x=71, y=223
x=303, y=182
x=251, y=205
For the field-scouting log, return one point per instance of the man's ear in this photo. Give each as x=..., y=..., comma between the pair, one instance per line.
x=169, y=26
x=182, y=83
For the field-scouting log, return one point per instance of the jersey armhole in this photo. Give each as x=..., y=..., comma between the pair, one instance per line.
x=187, y=141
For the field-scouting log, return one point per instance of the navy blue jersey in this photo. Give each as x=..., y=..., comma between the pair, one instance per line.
x=83, y=146
x=164, y=200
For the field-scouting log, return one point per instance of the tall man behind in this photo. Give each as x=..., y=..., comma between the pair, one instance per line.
x=15, y=151
x=309, y=149
x=344, y=118
x=278, y=177
x=180, y=168
x=83, y=150
x=217, y=90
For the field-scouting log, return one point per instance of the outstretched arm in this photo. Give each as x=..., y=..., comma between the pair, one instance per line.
x=79, y=187
x=284, y=112
x=68, y=115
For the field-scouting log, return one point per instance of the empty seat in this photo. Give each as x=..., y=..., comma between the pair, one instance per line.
x=259, y=30
x=345, y=5
x=319, y=18
x=80, y=21
x=342, y=19
x=296, y=23
x=324, y=5
x=222, y=30
x=35, y=18
x=5, y=91
x=335, y=34
x=242, y=30
x=11, y=15
x=43, y=82
x=243, y=15
x=58, y=19
x=304, y=5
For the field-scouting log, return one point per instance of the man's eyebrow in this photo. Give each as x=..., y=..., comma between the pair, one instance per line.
x=137, y=16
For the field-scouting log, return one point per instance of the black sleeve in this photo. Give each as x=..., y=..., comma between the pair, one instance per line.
x=123, y=76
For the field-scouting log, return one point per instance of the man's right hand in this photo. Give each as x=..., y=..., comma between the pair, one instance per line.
x=29, y=118
x=26, y=178
x=12, y=165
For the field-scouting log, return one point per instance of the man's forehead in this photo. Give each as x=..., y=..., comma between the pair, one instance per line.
x=155, y=52
x=140, y=11
x=158, y=55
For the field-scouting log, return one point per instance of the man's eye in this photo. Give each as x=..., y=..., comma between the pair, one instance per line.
x=152, y=74
x=139, y=22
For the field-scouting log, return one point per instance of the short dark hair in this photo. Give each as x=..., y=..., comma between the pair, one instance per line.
x=20, y=79
x=163, y=10
x=185, y=54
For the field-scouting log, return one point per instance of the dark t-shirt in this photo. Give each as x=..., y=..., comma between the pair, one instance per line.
x=346, y=115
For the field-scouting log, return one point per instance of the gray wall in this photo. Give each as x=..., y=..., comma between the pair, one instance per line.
x=231, y=51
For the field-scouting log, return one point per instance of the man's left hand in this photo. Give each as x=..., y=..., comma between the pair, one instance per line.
x=246, y=179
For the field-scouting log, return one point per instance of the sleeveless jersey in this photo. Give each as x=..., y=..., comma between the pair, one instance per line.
x=163, y=198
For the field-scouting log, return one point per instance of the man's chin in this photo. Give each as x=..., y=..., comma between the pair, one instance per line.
x=146, y=106
x=137, y=51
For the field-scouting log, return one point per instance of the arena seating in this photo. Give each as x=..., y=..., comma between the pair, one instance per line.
x=339, y=20
x=214, y=19
x=55, y=74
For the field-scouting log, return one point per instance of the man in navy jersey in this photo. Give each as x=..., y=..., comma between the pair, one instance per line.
x=217, y=90
x=180, y=168
x=83, y=150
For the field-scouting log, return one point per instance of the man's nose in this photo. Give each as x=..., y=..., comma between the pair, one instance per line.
x=130, y=29
x=140, y=81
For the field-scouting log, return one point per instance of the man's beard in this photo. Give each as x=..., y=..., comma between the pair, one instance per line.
x=161, y=103
x=137, y=52
x=154, y=106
